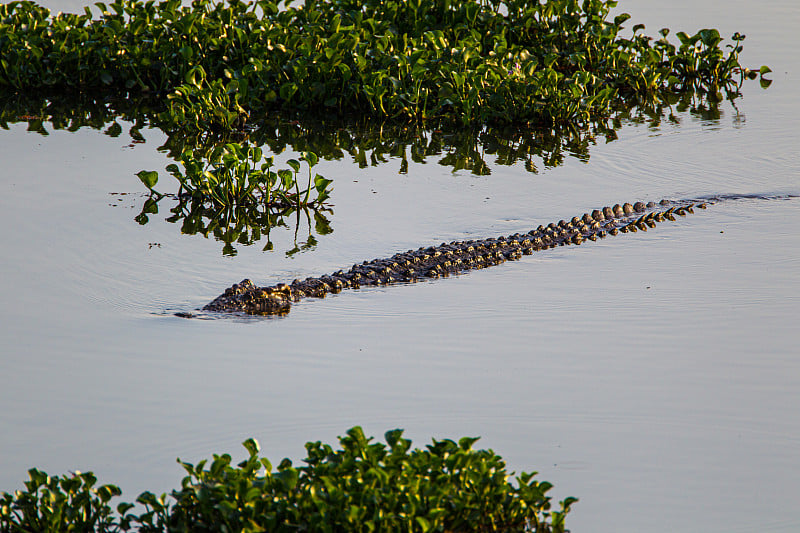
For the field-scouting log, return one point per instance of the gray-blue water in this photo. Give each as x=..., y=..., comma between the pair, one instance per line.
x=655, y=376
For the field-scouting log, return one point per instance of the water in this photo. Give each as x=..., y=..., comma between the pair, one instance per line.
x=654, y=376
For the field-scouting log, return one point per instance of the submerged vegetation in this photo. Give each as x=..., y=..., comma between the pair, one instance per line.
x=362, y=486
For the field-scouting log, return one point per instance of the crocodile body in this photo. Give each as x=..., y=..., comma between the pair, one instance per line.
x=452, y=258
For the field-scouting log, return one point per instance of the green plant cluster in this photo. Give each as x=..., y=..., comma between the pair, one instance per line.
x=234, y=187
x=56, y=504
x=233, y=174
x=239, y=194
x=363, y=486
x=476, y=62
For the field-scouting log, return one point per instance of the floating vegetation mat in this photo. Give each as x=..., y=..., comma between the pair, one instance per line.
x=361, y=486
x=218, y=65
x=525, y=77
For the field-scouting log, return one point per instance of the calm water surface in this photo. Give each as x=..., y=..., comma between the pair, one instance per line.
x=655, y=375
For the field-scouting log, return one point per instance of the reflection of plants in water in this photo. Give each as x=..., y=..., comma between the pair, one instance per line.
x=373, y=143
x=232, y=192
x=244, y=224
x=367, y=142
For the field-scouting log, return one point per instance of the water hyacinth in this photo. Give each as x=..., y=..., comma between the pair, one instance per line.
x=220, y=65
x=361, y=486
x=215, y=68
x=235, y=174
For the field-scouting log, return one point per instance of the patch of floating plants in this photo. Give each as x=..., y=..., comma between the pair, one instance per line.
x=215, y=70
x=220, y=65
x=359, y=486
x=222, y=79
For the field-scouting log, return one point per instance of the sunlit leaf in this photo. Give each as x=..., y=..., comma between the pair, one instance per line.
x=149, y=178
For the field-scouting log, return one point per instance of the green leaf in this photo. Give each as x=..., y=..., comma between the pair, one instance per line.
x=345, y=70
x=622, y=17
x=148, y=177
x=424, y=524
x=150, y=206
x=311, y=158
x=465, y=443
x=287, y=178
x=393, y=436
x=288, y=90
x=252, y=446
x=196, y=76
x=710, y=37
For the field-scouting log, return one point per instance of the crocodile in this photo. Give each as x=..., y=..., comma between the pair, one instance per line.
x=452, y=258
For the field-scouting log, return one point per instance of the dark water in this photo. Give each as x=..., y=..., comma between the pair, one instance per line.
x=655, y=376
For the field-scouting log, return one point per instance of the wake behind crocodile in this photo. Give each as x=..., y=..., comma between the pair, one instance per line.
x=460, y=256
